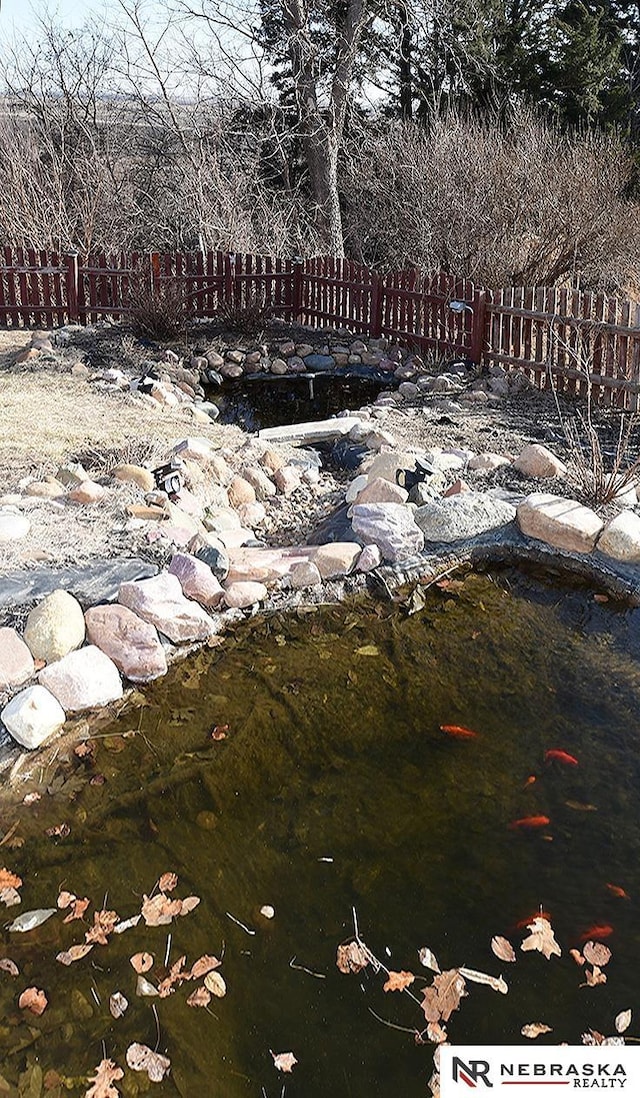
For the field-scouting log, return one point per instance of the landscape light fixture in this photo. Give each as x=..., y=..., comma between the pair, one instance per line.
x=459, y=306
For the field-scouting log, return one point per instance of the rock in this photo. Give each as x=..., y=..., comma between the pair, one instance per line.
x=537, y=461
x=131, y=643
x=378, y=440
x=456, y=488
x=319, y=363
x=214, y=359
x=427, y=490
x=84, y=679
x=620, y=538
x=278, y=366
x=381, y=490
x=476, y=396
x=304, y=574
x=563, y=523
x=221, y=518
x=388, y=464
x=33, y=716
x=13, y=525
x=244, y=594
x=188, y=503
x=88, y=492
x=336, y=559
x=71, y=474
x=215, y=556
x=487, y=461
x=287, y=349
x=231, y=370
x=303, y=349
x=408, y=390
x=356, y=486
x=272, y=460
x=136, y=474
x=252, y=514
x=462, y=516
x=287, y=479
x=260, y=482
x=55, y=627
x=321, y=431
x=264, y=565
x=390, y=526
x=146, y=512
x=405, y=373
x=240, y=491
x=196, y=579
x=194, y=448
x=16, y=661
x=370, y=558
x=160, y=601
x=50, y=488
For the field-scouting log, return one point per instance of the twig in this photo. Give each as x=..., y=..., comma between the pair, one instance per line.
x=301, y=968
x=168, y=950
x=392, y=1025
x=247, y=929
x=155, y=1014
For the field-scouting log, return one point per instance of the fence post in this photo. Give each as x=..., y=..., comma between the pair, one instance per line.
x=478, y=328
x=154, y=272
x=375, y=324
x=296, y=312
x=229, y=272
x=71, y=279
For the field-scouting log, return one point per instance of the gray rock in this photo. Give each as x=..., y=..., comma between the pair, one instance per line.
x=462, y=516
x=215, y=556
x=390, y=526
x=55, y=627
x=84, y=679
x=33, y=716
x=304, y=574
x=319, y=363
x=196, y=579
x=16, y=661
x=160, y=601
x=131, y=643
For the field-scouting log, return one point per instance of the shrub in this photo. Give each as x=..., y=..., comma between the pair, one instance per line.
x=160, y=311
x=250, y=317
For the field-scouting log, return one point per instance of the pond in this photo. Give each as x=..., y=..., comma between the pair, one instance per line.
x=333, y=788
x=260, y=400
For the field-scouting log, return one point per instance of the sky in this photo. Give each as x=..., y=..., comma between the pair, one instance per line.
x=19, y=14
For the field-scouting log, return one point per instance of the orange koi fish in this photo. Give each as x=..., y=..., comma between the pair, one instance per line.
x=596, y=933
x=554, y=755
x=530, y=822
x=539, y=914
x=615, y=890
x=530, y=780
x=458, y=732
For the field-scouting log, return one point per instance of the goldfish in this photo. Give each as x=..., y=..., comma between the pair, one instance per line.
x=530, y=822
x=530, y=780
x=560, y=756
x=458, y=732
x=539, y=914
x=595, y=933
x=615, y=890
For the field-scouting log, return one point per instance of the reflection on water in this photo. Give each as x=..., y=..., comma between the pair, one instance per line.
x=336, y=789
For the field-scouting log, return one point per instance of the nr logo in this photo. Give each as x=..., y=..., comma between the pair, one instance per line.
x=471, y=1073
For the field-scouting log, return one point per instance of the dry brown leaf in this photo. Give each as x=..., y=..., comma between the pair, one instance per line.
x=32, y=798
x=9, y=879
x=534, y=1029
x=437, y=1033
x=33, y=999
x=443, y=996
x=577, y=956
x=9, y=966
x=189, y=904
x=160, y=910
x=107, y=1073
x=103, y=924
x=141, y=962
x=284, y=1061
x=594, y=977
x=428, y=959
x=141, y=1058
x=496, y=983
x=541, y=939
x=596, y=953
x=202, y=966
x=199, y=998
x=10, y=897
x=175, y=976
x=502, y=948
x=214, y=983
x=623, y=1021
x=167, y=882
x=398, y=981
x=351, y=957
x=78, y=908
x=65, y=899
x=84, y=749
x=118, y=1005
x=74, y=953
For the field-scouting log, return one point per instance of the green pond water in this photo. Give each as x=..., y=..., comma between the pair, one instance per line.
x=334, y=752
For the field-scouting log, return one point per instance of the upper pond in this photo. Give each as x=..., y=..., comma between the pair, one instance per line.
x=336, y=789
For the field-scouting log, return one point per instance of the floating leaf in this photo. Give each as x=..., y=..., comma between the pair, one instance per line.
x=160, y=910
x=541, y=939
x=189, y=904
x=214, y=983
x=202, y=966
x=534, y=1029
x=199, y=998
x=106, y=1074
x=503, y=948
x=494, y=982
x=118, y=1004
x=443, y=996
x=9, y=966
x=65, y=899
x=127, y=924
x=596, y=953
x=78, y=908
x=351, y=957
x=144, y=987
x=436, y=1033
x=29, y=920
x=367, y=650
x=167, y=882
x=103, y=924
x=141, y=1058
x=428, y=959
x=141, y=962
x=10, y=897
x=284, y=1061
x=398, y=981
x=175, y=976
x=74, y=953
x=623, y=1021
x=594, y=977
x=33, y=999
x=9, y=879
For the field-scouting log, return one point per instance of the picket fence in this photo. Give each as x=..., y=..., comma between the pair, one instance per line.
x=568, y=338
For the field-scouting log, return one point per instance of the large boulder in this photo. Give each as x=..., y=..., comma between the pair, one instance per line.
x=464, y=515
x=84, y=679
x=620, y=538
x=390, y=526
x=563, y=523
x=161, y=602
x=131, y=643
x=32, y=716
x=537, y=461
x=55, y=627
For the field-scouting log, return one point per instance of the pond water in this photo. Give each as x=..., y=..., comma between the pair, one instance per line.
x=336, y=789
x=260, y=400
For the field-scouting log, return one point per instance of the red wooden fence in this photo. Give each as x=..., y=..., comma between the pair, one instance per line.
x=555, y=335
